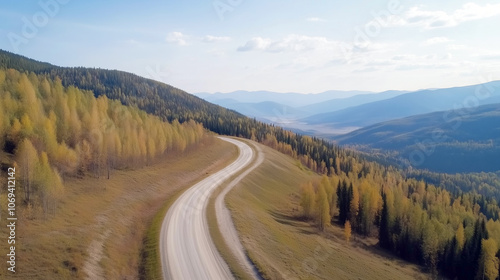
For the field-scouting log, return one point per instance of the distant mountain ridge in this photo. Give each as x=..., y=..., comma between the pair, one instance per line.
x=291, y=99
x=265, y=111
x=446, y=141
x=408, y=104
x=356, y=100
x=285, y=108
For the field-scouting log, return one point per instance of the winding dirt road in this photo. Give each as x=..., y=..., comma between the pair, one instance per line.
x=187, y=250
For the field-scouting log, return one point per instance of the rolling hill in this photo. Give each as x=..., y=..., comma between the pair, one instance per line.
x=409, y=104
x=285, y=111
x=342, y=103
x=162, y=100
x=72, y=98
x=447, y=141
x=154, y=97
x=267, y=111
x=172, y=104
x=291, y=99
x=275, y=107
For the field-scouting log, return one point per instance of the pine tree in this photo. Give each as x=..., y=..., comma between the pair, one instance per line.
x=449, y=259
x=384, y=230
x=340, y=196
x=333, y=199
x=354, y=207
x=344, y=201
x=498, y=258
x=472, y=251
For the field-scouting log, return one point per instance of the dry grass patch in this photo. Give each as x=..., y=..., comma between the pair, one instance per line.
x=100, y=224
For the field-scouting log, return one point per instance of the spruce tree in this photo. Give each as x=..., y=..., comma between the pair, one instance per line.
x=384, y=230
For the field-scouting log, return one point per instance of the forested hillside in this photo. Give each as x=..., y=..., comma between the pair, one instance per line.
x=456, y=235
x=170, y=104
x=154, y=97
x=59, y=121
x=50, y=131
x=449, y=141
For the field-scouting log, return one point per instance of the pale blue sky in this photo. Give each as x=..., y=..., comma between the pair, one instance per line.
x=283, y=45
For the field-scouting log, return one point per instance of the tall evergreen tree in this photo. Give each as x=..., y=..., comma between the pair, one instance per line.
x=344, y=201
x=384, y=230
x=472, y=252
x=498, y=258
x=449, y=259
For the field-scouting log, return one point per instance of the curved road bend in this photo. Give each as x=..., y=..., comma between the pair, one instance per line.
x=226, y=225
x=187, y=250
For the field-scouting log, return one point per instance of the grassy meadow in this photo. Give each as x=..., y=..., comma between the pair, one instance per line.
x=100, y=225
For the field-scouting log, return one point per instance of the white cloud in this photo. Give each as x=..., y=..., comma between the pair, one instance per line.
x=457, y=47
x=447, y=56
x=404, y=57
x=216, y=53
x=292, y=43
x=489, y=56
x=256, y=43
x=438, y=19
x=407, y=62
x=435, y=40
x=301, y=43
x=380, y=62
x=215, y=39
x=415, y=66
x=428, y=19
x=472, y=11
x=177, y=38
x=366, y=70
x=315, y=19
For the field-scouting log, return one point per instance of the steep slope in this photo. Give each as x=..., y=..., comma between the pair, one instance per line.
x=265, y=208
x=409, y=104
x=447, y=141
x=172, y=104
x=53, y=132
x=154, y=97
